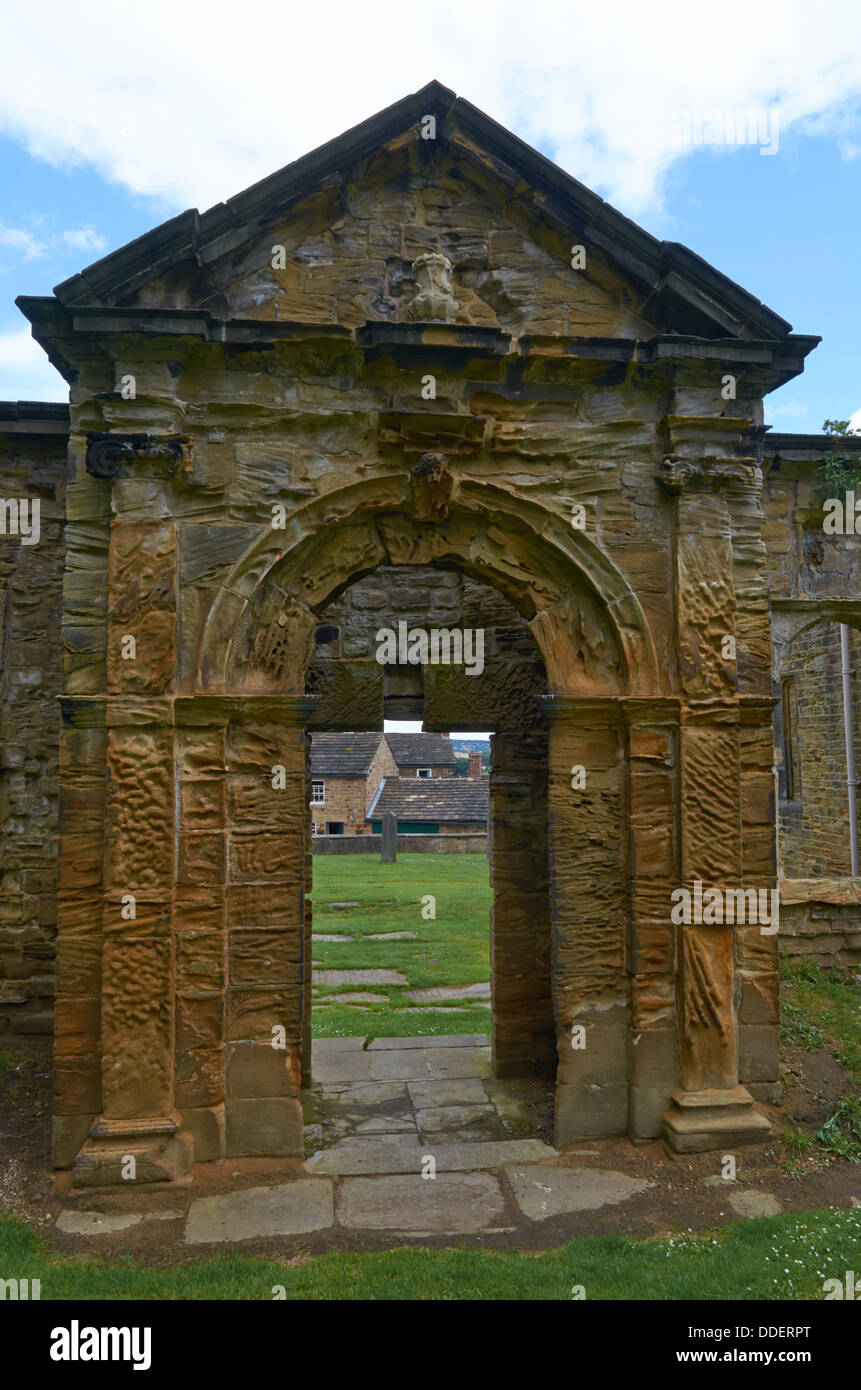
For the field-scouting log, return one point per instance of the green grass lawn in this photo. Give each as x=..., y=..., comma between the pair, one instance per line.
x=824, y=1010
x=451, y=949
x=782, y=1257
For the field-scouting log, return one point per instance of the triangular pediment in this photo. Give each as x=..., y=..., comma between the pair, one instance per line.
x=354, y=217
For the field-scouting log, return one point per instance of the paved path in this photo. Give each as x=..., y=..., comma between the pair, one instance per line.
x=408, y=1137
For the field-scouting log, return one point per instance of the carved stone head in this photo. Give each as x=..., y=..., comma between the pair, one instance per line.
x=432, y=487
x=432, y=273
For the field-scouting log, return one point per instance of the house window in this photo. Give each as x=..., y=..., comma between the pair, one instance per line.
x=313, y=827
x=423, y=772
x=318, y=793
x=334, y=827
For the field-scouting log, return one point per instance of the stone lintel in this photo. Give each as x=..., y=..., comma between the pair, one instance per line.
x=430, y=337
x=186, y=711
x=711, y=711
x=651, y=709
x=207, y=710
x=124, y=710
x=585, y=709
x=756, y=710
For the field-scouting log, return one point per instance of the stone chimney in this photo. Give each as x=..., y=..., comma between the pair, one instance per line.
x=475, y=764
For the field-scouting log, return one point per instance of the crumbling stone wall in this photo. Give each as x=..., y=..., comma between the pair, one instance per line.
x=33, y=467
x=815, y=824
x=821, y=919
x=814, y=582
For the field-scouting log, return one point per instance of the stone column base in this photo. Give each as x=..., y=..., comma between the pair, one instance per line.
x=161, y=1153
x=701, y=1120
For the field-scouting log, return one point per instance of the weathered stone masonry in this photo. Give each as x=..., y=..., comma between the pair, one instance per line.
x=32, y=466
x=281, y=346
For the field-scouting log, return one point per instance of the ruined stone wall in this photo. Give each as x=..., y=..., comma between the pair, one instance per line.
x=815, y=825
x=805, y=564
x=31, y=579
x=821, y=919
x=427, y=598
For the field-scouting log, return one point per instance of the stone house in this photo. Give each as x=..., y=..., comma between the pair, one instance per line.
x=346, y=771
x=422, y=755
x=590, y=484
x=425, y=806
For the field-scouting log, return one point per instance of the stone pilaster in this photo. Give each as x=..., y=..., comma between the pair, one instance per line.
x=139, y=1120
x=200, y=920
x=756, y=955
x=590, y=909
x=653, y=779
x=524, y=1036
x=77, y=1016
x=710, y=1108
x=268, y=961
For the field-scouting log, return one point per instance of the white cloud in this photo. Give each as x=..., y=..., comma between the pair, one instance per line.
x=31, y=247
x=20, y=240
x=85, y=239
x=796, y=409
x=192, y=105
x=855, y=422
x=25, y=372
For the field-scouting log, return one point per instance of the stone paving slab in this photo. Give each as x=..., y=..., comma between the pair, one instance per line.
x=541, y=1192
x=395, y=1153
x=465, y=1090
x=438, y=1119
x=371, y=1094
x=401, y=1153
x=102, y=1223
x=391, y=936
x=459, y=1062
x=361, y=996
x=287, y=1210
x=386, y=1124
x=749, y=1203
x=340, y=1066
x=445, y=1205
x=329, y=936
x=430, y=1009
x=440, y=994
x=332, y=979
x=405, y=1066
x=321, y=1047
x=449, y=1040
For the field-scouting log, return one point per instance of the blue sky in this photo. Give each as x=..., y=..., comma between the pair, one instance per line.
x=87, y=165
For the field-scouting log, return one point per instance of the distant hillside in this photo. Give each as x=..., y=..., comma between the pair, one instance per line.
x=463, y=747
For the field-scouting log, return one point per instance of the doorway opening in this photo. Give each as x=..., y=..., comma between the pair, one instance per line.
x=429, y=1018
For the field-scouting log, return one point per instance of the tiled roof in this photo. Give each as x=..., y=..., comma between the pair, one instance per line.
x=342, y=755
x=421, y=750
x=432, y=798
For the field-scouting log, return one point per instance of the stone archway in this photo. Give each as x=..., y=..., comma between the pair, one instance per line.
x=214, y=967
x=260, y=646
